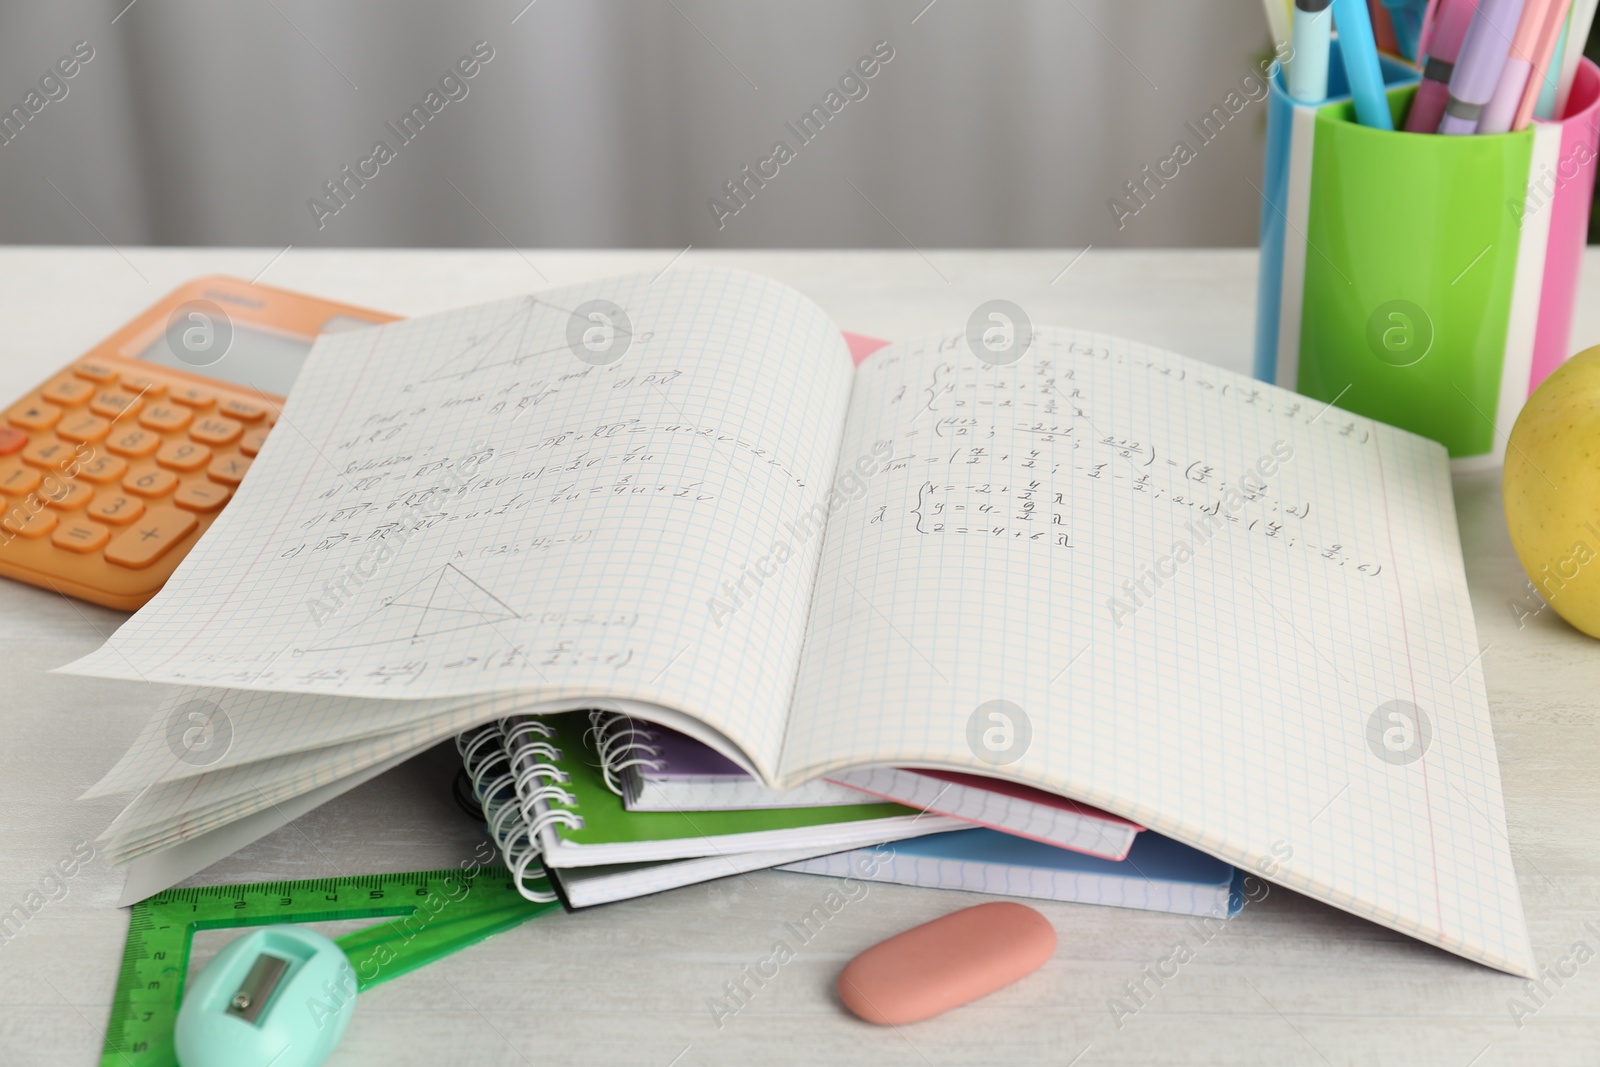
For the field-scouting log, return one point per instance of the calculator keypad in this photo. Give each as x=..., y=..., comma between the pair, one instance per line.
x=112, y=470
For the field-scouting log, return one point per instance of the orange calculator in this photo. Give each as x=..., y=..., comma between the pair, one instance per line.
x=112, y=469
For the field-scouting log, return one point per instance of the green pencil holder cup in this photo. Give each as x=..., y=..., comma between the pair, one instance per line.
x=1426, y=281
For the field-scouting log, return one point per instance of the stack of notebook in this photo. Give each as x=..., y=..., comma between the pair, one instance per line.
x=587, y=795
x=1210, y=606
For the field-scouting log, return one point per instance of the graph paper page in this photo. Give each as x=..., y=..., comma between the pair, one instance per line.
x=465, y=503
x=1307, y=576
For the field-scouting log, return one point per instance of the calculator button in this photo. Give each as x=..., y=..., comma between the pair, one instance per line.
x=251, y=443
x=47, y=452
x=30, y=525
x=66, y=496
x=113, y=403
x=183, y=455
x=201, y=496
x=244, y=412
x=216, y=430
x=192, y=397
x=98, y=373
x=135, y=442
x=151, y=537
x=14, y=440
x=165, y=418
x=68, y=392
x=17, y=479
x=103, y=470
x=82, y=426
x=117, y=508
x=34, y=415
x=80, y=535
x=229, y=470
x=149, y=388
x=150, y=481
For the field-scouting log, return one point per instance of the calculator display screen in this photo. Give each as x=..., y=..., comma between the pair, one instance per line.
x=253, y=357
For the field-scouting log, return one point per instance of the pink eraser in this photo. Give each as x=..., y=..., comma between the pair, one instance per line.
x=946, y=963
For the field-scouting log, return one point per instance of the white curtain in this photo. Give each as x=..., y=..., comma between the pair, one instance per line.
x=615, y=122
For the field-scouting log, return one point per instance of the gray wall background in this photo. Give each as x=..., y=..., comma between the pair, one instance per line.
x=612, y=122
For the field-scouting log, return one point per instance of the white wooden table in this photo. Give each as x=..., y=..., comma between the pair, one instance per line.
x=1290, y=981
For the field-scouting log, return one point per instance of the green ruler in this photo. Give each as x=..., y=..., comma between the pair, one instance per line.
x=439, y=913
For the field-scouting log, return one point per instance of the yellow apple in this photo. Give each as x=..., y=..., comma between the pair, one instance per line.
x=1552, y=490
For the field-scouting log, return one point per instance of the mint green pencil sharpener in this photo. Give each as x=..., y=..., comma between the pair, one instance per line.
x=279, y=996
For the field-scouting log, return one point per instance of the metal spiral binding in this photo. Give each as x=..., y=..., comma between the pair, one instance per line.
x=622, y=743
x=535, y=776
x=483, y=753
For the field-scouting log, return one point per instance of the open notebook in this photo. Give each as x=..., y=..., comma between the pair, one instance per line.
x=1199, y=602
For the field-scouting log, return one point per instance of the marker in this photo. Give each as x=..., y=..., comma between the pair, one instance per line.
x=1577, y=34
x=1483, y=56
x=1444, y=46
x=1277, y=19
x=1546, y=107
x=1360, y=54
x=1424, y=42
x=1308, y=70
x=1501, y=110
x=1382, y=29
x=1555, y=21
x=1406, y=18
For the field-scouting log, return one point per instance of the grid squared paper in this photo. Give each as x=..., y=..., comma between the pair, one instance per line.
x=553, y=526
x=1230, y=708
x=1080, y=831
x=168, y=813
x=1078, y=887
x=246, y=726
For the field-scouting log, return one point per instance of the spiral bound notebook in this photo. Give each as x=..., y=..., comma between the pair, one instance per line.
x=1200, y=601
x=489, y=752
x=657, y=769
x=578, y=821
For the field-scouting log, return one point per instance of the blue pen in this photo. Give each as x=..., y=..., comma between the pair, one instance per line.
x=1360, y=52
x=1308, y=69
x=1406, y=18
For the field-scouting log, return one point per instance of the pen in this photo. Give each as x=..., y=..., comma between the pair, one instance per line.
x=1277, y=20
x=1308, y=69
x=1406, y=18
x=1483, y=56
x=1424, y=42
x=1577, y=35
x=1360, y=54
x=1501, y=109
x=1546, y=107
x=1555, y=20
x=1444, y=45
x=1382, y=29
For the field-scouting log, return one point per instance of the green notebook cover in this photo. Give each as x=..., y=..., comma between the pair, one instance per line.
x=606, y=821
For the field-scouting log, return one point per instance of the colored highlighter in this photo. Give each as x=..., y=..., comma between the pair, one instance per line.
x=1483, y=57
x=1444, y=46
x=1406, y=18
x=1501, y=110
x=1577, y=35
x=1308, y=70
x=1360, y=53
x=1546, y=107
x=1544, y=50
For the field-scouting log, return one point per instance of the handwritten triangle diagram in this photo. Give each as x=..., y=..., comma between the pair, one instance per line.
x=443, y=601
